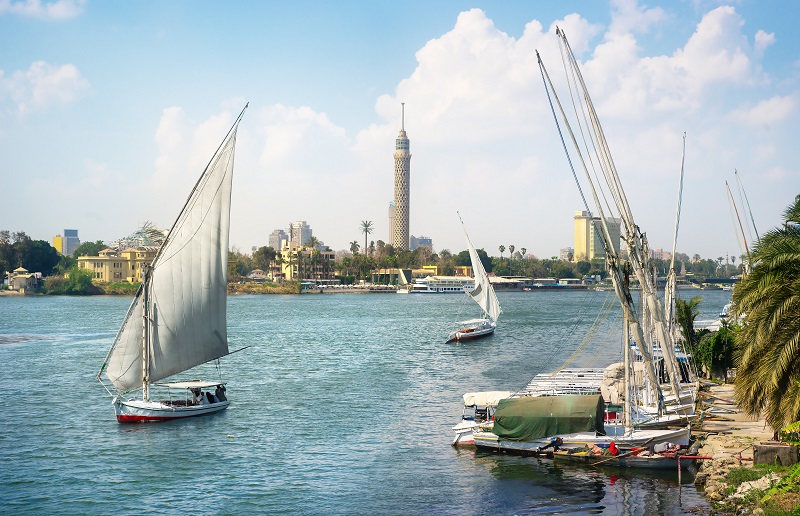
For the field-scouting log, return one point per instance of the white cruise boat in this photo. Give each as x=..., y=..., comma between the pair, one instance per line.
x=442, y=285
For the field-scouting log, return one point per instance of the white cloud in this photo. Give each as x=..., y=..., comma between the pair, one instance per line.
x=768, y=112
x=627, y=16
x=762, y=41
x=717, y=56
x=483, y=140
x=42, y=86
x=58, y=10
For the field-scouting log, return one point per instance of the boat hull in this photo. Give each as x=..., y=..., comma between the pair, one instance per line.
x=472, y=334
x=463, y=432
x=623, y=439
x=138, y=411
x=632, y=461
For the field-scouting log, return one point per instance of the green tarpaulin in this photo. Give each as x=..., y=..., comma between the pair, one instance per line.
x=529, y=418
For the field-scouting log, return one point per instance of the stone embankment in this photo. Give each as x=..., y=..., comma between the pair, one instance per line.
x=728, y=436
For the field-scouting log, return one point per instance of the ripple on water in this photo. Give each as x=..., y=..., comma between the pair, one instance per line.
x=342, y=404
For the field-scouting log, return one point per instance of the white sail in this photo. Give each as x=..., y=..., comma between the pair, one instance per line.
x=187, y=288
x=124, y=363
x=483, y=293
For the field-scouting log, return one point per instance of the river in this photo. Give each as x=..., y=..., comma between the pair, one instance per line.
x=342, y=403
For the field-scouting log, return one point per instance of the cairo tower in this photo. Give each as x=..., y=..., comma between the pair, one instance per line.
x=402, y=188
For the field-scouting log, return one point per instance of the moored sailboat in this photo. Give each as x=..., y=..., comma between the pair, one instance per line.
x=483, y=294
x=177, y=319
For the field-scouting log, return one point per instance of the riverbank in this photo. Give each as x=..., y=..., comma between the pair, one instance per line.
x=730, y=480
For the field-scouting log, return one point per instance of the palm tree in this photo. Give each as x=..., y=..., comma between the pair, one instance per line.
x=291, y=259
x=523, y=251
x=511, y=252
x=366, y=228
x=354, y=246
x=768, y=344
x=685, y=314
x=502, y=249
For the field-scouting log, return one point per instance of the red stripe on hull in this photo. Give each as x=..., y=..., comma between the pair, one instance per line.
x=125, y=418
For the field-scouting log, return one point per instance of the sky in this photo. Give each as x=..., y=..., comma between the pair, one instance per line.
x=109, y=111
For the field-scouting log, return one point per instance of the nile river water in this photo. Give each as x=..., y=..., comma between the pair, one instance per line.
x=341, y=404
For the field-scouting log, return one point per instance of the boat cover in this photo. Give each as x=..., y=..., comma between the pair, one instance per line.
x=485, y=399
x=535, y=417
x=191, y=384
x=472, y=321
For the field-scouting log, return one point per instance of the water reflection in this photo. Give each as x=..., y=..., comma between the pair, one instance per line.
x=540, y=486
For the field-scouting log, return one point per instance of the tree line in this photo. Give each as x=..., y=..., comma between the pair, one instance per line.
x=761, y=335
x=18, y=250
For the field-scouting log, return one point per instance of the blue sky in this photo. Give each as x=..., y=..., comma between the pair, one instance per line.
x=109, y=111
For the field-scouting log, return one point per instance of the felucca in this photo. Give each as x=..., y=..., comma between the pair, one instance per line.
x=177, y=319
x=483, y=294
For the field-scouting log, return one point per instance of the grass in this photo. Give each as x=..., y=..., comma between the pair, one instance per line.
x=264, y=288
x=120, y=288
x=783, y=498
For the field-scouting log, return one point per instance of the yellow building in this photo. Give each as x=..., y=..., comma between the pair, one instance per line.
x=58, y=243
x=431, y=270
x=113, y=266
x=305, y=263
x=434, y=270
x=588, y=233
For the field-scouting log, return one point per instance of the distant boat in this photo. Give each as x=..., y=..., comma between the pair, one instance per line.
x=483, y=294
x=442, y=285
x=177, y=319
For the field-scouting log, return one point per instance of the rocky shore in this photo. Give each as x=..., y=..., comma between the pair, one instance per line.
x=728, y=435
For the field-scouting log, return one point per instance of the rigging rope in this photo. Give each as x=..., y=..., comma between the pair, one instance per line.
x=598, y=322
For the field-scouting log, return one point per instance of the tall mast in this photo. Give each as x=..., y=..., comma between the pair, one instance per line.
x=738, y=220
x=146, y=333
x=746, y=201
x=626, y=350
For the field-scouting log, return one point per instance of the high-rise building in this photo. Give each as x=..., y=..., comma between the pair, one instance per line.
x=299, y=232
x=589, y=234
x=70, y=242
x=277, y=239
x=58, y=243
x=402, y=187
x=390, y=241
x=422, y=241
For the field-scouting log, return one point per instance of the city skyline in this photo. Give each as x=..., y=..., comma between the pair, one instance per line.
x=111, y=142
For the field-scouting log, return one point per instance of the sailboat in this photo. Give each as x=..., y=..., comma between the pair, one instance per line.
x=483, y=294
x=531, y=424
x=177, y=319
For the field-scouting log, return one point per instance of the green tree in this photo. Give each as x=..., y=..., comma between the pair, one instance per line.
x=75, y=282
x=366, y=228
x=584, y=267
x=502, y=249
x=511, y=252
x=685, y=314
x=313, y=242
x=768, y=371
x=89, y=249
x=263, y=258
x=715, y=351
x=354, y=246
